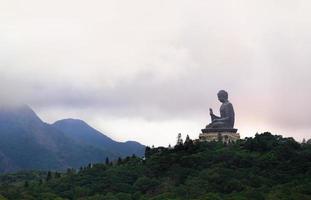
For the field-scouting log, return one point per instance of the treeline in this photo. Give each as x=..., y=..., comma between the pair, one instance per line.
x=264, y=167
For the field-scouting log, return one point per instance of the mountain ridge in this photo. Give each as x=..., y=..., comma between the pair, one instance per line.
x=28, y=143
x=81, y=132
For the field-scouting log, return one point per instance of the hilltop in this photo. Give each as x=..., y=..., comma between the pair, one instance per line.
x=264, y=167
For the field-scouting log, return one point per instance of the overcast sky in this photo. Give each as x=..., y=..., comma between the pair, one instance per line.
x=147, y=70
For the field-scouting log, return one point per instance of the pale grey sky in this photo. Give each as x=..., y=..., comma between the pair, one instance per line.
x=147, y=70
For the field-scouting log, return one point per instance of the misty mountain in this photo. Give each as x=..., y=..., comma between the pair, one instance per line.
x=28, y=143
x=82, y=133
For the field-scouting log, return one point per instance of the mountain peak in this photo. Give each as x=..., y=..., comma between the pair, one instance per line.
x=22, y=113
x=70, y=121
x=83, y=133
x=29, y=143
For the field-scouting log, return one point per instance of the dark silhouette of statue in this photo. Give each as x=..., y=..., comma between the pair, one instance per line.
x=225, y=122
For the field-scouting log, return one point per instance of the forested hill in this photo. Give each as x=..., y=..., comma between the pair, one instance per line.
x=264, y=167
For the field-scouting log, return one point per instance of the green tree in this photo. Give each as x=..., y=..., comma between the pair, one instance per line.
x=144, y=184
x=49, y=176
x=179, y=140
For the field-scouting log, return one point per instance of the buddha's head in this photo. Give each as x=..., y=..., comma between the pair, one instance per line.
x=222, y=96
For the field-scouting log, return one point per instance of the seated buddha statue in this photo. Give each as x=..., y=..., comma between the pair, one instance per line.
x=226, y=118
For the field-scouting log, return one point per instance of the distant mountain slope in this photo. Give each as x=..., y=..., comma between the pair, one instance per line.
x=27, y=143
x=82, y=133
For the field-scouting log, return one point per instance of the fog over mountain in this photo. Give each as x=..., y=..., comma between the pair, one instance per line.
x=144, y=71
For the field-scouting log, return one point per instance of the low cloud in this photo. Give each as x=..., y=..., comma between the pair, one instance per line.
x=127, y=61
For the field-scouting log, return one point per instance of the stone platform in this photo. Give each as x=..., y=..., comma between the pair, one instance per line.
x=225, y=137
x=219, y=130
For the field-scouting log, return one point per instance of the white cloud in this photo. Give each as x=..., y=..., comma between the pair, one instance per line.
x=151, y=64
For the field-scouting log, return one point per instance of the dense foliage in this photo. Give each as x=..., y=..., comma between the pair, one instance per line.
x=263, y=167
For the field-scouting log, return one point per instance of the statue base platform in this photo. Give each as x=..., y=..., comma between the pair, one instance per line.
x=219, y=130
x=225, y=137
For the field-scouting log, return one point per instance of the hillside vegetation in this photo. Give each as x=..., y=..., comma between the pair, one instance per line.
x=264, y=167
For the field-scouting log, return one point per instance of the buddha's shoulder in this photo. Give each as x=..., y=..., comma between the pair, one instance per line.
x=227, y=104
